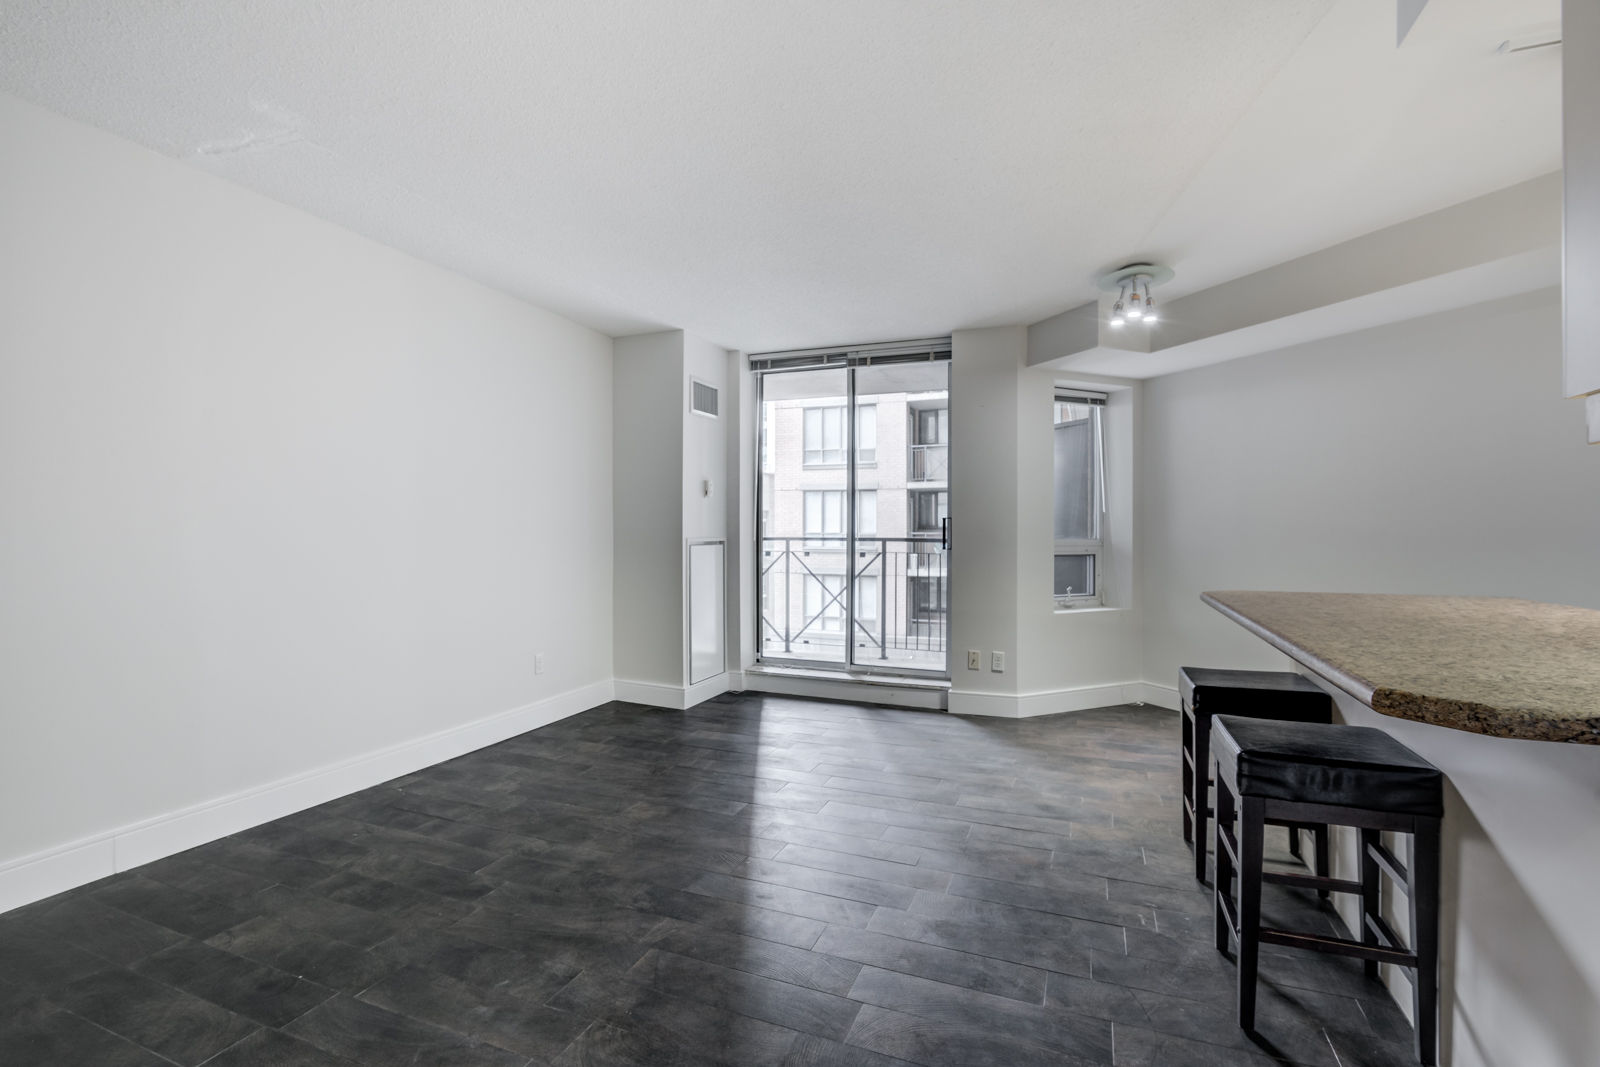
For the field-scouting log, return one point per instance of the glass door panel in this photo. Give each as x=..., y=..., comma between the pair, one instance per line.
x=855, y=505
x=804, y=510
x=899, y=563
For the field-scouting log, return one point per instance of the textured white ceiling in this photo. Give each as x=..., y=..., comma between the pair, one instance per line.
x=774, y=175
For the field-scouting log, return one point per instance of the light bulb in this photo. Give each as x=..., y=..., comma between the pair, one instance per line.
x=1135, y=313
x=1149, y=318
x=1116, y=314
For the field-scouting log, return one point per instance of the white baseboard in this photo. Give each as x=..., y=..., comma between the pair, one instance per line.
x=852, y=691
x=1057, y=701
x=1162, y=696
x=44, y=874
x=678, y=698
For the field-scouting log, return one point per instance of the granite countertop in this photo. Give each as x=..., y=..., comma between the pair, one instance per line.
x=1490, y=665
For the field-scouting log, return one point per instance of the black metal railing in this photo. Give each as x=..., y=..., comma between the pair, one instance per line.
x=902, y=595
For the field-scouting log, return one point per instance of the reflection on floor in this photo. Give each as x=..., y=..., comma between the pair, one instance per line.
x=755, y=881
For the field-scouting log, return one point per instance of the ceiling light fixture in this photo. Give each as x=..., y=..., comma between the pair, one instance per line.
x=1132, y=284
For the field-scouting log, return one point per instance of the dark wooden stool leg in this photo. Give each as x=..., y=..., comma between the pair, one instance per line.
x=1223, y=882
x=1202, y=790
x=1294, y=842
x=1370, y=897
x=1324, y=867
x=1251, y=835
x=1190, y=766
x=1423, y=888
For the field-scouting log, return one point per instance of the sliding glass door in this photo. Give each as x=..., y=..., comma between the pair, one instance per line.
x=855, y=516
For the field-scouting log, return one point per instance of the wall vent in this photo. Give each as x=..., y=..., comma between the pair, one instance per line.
x=704, y=399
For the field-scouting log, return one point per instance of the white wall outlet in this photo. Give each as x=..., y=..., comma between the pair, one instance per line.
x=997, y=662
x=538, y=663
x=974, y=660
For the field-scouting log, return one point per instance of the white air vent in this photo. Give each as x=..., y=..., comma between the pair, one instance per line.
x=704, y=399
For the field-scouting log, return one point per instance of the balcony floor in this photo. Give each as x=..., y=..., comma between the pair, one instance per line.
x=759, y=880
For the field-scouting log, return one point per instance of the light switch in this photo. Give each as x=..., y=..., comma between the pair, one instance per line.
x=974, y=660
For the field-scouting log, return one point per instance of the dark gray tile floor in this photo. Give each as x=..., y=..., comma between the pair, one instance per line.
x=756, y=881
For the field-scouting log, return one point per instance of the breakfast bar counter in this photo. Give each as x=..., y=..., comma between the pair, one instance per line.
x=1487, y=665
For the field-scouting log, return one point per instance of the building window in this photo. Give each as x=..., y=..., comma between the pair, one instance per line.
x=1080, y=497
x=824, y=430
x=824, y=435
x=929, y=509
x=866, y=513
x=825, y=513
x=867, y=598
x=929, y=597
x=930, y=444
x=867, y=433
x=825, y=602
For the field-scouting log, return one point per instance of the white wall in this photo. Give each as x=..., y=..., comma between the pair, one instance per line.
x=1002, y=520
x=277, y=499
x=1433, y=456
x=648, y=502
x=663, y=455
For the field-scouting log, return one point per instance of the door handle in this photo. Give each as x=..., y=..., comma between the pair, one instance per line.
x=944, y=534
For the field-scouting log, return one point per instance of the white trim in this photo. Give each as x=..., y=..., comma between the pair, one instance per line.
x=1162, y=696
x=675, y=697
x=1050, y=702
x=31, y=878
x=850, y=690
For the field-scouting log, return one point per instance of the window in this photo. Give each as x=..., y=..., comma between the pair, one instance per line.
x=867, y=433
x=824, y=515
x=825, y=602
x=1080, y=497
x=929, y=509
x=866, y=513
x=824, y=435
x=930, y=603
x=932, y=426
x=867, y=598
x=930, y=444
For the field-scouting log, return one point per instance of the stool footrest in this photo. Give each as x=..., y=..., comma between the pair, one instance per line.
x=1337, y=946
x=1386, y=935
x=1391, y=865
x=1312, y=881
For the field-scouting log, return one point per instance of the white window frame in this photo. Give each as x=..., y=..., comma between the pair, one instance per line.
x=1094, y=547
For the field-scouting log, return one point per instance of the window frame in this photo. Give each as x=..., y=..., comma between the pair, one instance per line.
x=1093, y=547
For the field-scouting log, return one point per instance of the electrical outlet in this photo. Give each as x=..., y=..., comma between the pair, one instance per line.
x=974, y=660
x=997, y=662
x=538, y=663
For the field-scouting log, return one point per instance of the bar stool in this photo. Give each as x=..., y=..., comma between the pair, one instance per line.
x=1205, y=692
x=1347, y=776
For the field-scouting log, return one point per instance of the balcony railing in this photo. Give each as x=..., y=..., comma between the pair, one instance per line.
x=930, y=463
x=902, y=609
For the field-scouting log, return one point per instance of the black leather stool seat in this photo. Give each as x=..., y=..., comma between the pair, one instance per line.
x=1263, y=694
x=1347, y=766
x=1208, y=691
